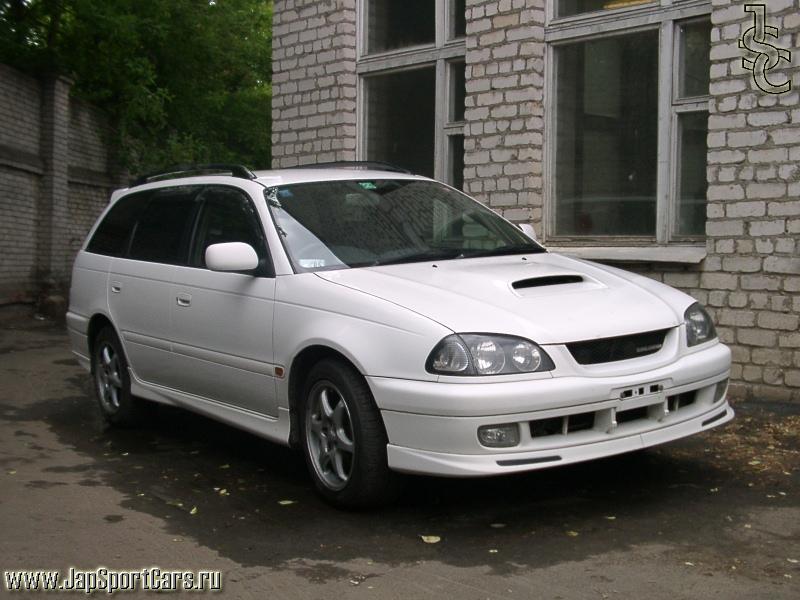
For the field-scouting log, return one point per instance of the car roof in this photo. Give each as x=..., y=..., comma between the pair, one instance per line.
x=273, y=177
x=309, y=175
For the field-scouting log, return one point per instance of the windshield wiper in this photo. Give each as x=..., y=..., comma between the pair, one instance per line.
x=504, y=250
x=431, y=254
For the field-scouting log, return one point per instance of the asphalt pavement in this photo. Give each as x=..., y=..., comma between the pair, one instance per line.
x=714, y=516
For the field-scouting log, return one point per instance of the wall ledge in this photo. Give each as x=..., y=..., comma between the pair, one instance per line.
x=690, y=255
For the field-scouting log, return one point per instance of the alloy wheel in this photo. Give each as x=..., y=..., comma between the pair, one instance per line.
x=329, y=435
x=108, y=377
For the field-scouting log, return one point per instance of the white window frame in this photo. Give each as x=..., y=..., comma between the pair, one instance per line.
x=443, y=54
x=665, y=16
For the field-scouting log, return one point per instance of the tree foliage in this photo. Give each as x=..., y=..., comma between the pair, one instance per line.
x=182, y=80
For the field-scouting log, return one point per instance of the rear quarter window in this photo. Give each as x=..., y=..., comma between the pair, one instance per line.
x=114, y=232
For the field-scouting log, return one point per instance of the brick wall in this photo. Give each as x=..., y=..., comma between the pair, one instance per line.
x=55, y=178
x=504, y=106
x=752, y=274
x=314, y=82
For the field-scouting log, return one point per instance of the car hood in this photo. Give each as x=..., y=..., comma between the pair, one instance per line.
x=547, y=298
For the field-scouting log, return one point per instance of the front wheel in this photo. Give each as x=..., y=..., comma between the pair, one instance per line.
x=344, y=441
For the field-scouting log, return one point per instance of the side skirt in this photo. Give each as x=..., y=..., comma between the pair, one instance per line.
x=273, y=429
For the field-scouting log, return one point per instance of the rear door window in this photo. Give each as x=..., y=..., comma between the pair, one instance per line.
x=164, y=228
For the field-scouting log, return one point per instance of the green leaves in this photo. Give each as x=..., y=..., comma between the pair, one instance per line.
x=182, y=81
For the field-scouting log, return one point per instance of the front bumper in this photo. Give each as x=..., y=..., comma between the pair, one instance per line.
x=560, y=420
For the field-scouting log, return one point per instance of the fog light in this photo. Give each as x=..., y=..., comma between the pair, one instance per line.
x=719, y=393
x=499, y=436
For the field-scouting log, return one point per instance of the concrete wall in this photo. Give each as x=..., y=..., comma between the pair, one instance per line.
x=55, y=178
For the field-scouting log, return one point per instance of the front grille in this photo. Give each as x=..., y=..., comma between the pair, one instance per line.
x=617, y=348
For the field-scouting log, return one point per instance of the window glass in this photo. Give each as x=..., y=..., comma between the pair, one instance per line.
x=695, y=59
x=386, y=222
x=567, y=8
x=607, y=136
x=396, y=24
x=458, y=18
x=162, y=232
x=458, y=91
x=114, y=233
x=401, y=119
x=692, y=185
x=228, y=216
x=456, y=161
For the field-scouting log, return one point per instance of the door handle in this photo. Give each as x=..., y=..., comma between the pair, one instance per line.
x=116, y=287
x=184, y=300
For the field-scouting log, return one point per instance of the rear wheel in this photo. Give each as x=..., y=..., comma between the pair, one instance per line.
x=112, y=384
x=344, y=441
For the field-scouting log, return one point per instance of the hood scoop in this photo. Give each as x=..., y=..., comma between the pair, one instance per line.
x=547, y=280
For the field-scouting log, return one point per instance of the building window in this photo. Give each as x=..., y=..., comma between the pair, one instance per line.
x=567, y=8
x=629, y=113
x=394, y=24
x=401, y=119
x=412, y=88
x=607, y=136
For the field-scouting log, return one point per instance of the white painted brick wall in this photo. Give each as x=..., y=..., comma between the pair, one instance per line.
x=761, y=137
x=314, y=81
x=504, y=109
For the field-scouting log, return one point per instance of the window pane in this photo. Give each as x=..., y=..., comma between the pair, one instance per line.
x=228, y=216
x=400, y=24
x=456, y=161
x=113, y=234
x=607, y=133
x=566, y=8
x=162, y=232
x=695, y=59
x=458, y=91
x=458, y=19
x=401, y=119
x=692, y=186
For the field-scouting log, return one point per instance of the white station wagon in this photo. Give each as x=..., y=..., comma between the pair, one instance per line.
x=382, y=323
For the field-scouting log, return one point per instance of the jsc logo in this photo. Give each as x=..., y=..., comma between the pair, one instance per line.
x=763, y=56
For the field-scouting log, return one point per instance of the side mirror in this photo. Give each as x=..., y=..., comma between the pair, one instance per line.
x=231, y=256
x=528, y=230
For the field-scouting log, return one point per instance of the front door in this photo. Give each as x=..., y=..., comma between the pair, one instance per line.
x=222, y=322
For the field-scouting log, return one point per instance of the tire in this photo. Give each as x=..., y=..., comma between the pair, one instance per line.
x=112, y=383
x=344, y=440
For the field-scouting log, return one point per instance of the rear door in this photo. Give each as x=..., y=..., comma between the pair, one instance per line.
x=222, y=322
x=139, y=283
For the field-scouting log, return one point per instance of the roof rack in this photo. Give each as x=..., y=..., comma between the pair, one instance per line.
x=188, y=170
x=377, y=165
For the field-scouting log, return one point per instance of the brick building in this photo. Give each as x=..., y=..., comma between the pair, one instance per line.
x=626, y=131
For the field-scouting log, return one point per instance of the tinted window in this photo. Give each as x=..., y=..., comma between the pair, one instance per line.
x=113, y=234
x=162, y=233
x=228, y=216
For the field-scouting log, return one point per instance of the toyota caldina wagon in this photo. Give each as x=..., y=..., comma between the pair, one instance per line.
x=382, y=323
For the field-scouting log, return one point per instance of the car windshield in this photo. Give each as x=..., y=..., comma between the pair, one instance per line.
x=360, y=223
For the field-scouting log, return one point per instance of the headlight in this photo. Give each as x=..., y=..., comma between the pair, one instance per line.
x=699, y=327
x=481, y=354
